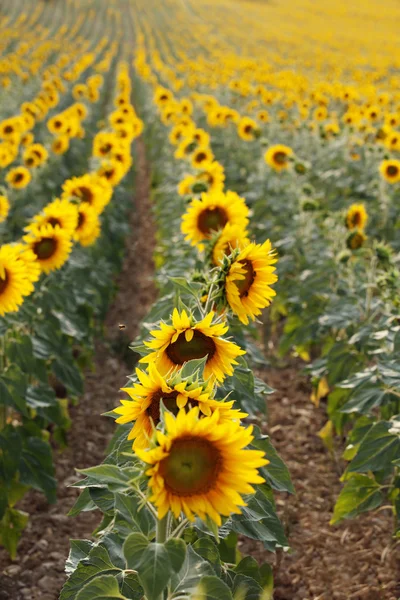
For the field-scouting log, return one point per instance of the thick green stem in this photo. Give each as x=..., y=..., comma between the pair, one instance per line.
x=162, y=530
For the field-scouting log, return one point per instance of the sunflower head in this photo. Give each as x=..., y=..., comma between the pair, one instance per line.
x=200, y=466
x=211, y=213
x=186, y=339
x=88, y=225
x=18, y=178
x=60, y=144
x=278, y=157
x=248, y=129
x=16, y=281
x=248, y=280
x=356, y=239
x=51, y=246
x=59, y=213
x=224, y=242
x=356, y=217
x=202, y=157
x=390, y=170
x=4, y=208
x=175, y=392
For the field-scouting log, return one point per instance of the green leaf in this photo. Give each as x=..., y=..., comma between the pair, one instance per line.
x=84, y=503
x=11, y=526
x=109, y=474
x=206, y=548
x=40, y=396
x=176, y=549
x=133, y=548
x=151, y=561
x=131, y=515
x=104, y=587
x=247, y=588
x=248, y=566
x=97, y=563
x=193, y=569
x=191, y=366
x=377, y=450
x=276, y=472
x=360, y=494
x=69, y=375
x=36, y=467
x=212, y=588
x=8, y=397
x=80, y=549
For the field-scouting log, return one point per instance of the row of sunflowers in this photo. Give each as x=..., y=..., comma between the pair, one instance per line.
x=66, y=151
x=240, y=146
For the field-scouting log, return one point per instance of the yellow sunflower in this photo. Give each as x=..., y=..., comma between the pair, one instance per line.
x=186, y=340
x=14, y=280
x=230, y=238
x=88, y=225
x=249, y=279
x=112, y=171
x=4, y=208
x=176, y=393
x=58, y=124
x=356, y=217
x=104, y=143
x=59, y=212
x=27, y=139
x=162, y=96
x=278, y=156
x=212, y=212
x=202, y=158
x=18, y=178
x=213, y=176
x=89, y=189
x=51, y=245
x=186, y=148
x=248, y=130
x=60, y=144
x=201, y=467
x=390, y=170
x=35, y=155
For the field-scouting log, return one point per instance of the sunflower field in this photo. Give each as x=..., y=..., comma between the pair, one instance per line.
x=199, y=300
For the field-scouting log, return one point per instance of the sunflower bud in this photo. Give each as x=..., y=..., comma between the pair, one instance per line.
x=309, y=204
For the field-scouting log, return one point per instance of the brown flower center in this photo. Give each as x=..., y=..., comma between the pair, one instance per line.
x=169, y=400
x=85, y=194
x=105, y=149
x=45, y=248
x=356, y=219
x=4, y=282
x=212, y=219
x=280, y=158
x=248, y=129
x=244, y=285
x=8, y=129
x=81, y=220
x=191, y=467
x=200, y=157
x=18, y=177
x=199, y=346
x=392, y=170
x=53, y=221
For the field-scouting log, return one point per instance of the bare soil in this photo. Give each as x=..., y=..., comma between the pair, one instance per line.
x=356, y=560
x=38, y=571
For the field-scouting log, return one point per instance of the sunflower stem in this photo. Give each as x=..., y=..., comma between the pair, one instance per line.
x=161, y=531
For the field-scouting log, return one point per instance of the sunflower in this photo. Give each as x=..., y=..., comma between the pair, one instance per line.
x=60, y=144
x=263, y=116
x=356, y=217
x=277, y=157
x=88, y=225
x=211, y=213
x=176, y=393
x=202, y=157
x=58, y=124
x=18, y=178
x=27, y=139
x=61, y=213
x=390, y=170
x=186, y=340
x=9, y=127
x=14, y=280
x=213, y=176
x=4, y=208
x=51, y=245
x=29, y=258
x=89, y=189
x=230, y=238
x=162, y=96
x=248, y=280
x=186, y=148
x=178, y=133
x=79, y=91
x=201, y=137
x=112, y=171
x=185, y=187
x=392, y=141
x=356, y=239
x=35, y=155
x=248, y=130
x=200, y=466
x=104, y=143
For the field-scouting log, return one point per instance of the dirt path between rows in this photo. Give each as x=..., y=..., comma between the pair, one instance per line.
x=38, y=572
x=353, y=561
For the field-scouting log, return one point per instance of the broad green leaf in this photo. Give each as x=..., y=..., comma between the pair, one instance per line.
x=360, y=494
x=176, y=550
x=104, y=587
x=134, y=546
x=69, y=375
x=377, y=449
x=11, y=527
x=206, y=548
x=36, y=467
x=80, y=549
x=153, y=566
x=84, y=503
x=193, y=569
x=247, y=588
x=191, y=366
x=212, y=588
x=248, y=566
x=276, y=472
x=131, y=515
x=40, y=396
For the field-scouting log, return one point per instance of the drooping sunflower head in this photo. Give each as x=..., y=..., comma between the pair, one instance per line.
x=356, y=217
x=248, y=129
x=249, y=279
x=88, y=225
x=15, y=282
x=185, y=339
x=356, y=239
x=61, y=213
x=4, y=208
x=278, y=157
x=176, y=393
x=211, y=213
x=18, y=178
x=230, y=238
x=390, y=170
x=185, y=187
x=199, y=466
x=51, y=246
